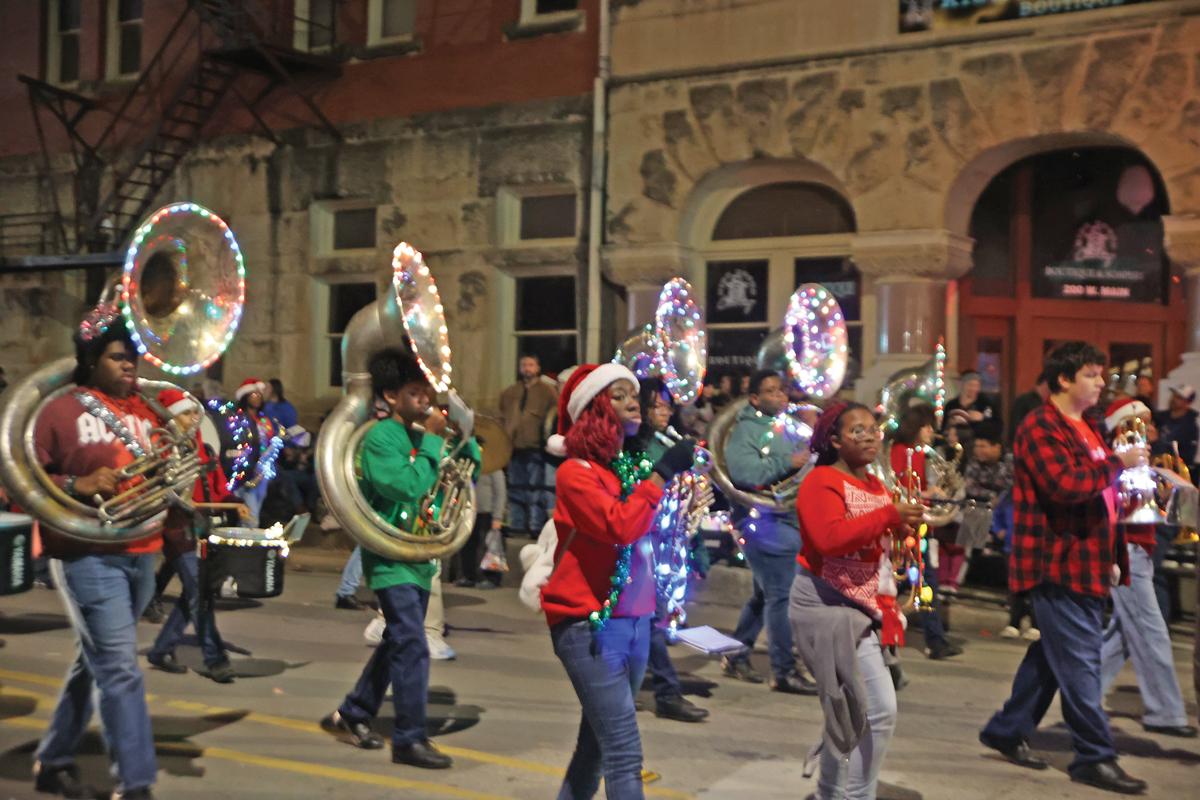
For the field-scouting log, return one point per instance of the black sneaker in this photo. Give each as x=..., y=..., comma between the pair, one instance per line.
x=61, y=781
x=143, y=793
x=358, y=734
x=678, y=707
x=1017, y=752
x=221, y=671
x=793, y=683
x=166, y=662
x=154, y=613
x=421, y=754
x=348, y=602
x=739, y=667
x=942, y=649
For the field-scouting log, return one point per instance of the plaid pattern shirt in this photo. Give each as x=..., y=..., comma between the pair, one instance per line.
x=1063, y=532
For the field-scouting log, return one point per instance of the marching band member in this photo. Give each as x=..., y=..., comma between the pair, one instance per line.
x=845, y=513
x=600, y=597
x=180, y=550
x=758, y=455
x=262, y=431
x=1137, y=630
x=83, y=438
x=399, y=467
x=1067, y=553
x=651, y=442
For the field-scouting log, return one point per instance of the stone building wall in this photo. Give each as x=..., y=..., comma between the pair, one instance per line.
x=434, y=181
x=909, y=130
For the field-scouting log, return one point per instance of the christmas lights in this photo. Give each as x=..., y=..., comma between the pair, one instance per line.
x=422, y=313
x=681, y=344
x=814, y=322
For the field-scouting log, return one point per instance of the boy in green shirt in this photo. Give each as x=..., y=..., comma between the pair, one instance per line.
x=399, y=467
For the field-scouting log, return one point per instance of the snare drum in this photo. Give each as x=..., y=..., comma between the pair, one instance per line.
x=16, y=553
x=255, y=564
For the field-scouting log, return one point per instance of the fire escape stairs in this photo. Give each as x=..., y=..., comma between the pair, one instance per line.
x=241, y=47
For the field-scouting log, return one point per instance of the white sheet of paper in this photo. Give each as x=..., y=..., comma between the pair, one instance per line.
x=708, y=639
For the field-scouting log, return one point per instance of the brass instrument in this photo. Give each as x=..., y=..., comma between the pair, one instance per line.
x=908, y=547
x=810, y=349
x=181, y=293
x=1137, y=487
x=494, y=442
x=410, y=316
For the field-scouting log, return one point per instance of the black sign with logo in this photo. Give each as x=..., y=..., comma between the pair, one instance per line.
x=937, y=15
x=736, y=292
x=734, y=349
x=1097, y=229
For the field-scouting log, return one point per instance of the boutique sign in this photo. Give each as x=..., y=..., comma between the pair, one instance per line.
x=930, y=15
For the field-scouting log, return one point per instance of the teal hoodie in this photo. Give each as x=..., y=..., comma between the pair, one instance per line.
x=757, y=456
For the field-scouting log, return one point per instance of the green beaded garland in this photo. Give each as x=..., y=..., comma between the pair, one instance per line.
x=630, y=469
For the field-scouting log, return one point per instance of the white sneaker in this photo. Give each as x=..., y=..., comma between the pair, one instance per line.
x=374, y=630
x=229, y=588
x=1009, y=632
x=439, y=650
x=1031, y=634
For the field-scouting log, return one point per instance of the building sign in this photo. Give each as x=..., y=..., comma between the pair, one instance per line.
x=734, y=349
x=1098, y=234
x=838, y=275
x=939, y=15
x=737, y=292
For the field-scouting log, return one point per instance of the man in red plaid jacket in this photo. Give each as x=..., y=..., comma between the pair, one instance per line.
x=1067, y=554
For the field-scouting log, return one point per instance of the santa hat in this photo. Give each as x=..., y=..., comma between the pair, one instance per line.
x=249, y=386
x=176, y=402
x=586, y=381
x=1123, y=409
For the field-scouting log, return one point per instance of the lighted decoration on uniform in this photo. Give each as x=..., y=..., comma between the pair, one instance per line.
x=237, y=425
x=817, y=347
x=422, y=313
x=194, y=306
x=939, y=393
x=681, y=342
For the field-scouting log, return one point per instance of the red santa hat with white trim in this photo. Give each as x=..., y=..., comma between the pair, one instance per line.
x=249, y=386
x=1123, y=409
x=586, y=381
x=176, y=402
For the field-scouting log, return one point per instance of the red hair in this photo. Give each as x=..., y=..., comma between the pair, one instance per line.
x=597, y=434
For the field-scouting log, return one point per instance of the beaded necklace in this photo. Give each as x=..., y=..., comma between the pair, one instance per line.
x=101, y=411
x=630, y=469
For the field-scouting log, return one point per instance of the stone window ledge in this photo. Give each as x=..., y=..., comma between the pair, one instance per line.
x=559, y=22
x=386, y=49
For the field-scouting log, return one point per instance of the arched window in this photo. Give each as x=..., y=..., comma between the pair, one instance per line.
x=785, y=209
x=766, y=242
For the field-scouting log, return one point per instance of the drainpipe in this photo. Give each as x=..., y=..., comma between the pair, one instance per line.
x=597, y=186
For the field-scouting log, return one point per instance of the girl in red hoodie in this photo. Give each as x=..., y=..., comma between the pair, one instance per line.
x=600, y=597
x=846, y=515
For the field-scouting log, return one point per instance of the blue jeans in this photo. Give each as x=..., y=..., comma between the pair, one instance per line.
x=856, y=778
x=773, y=576
x=1137, y=631
x=663, y=676
x=527, y=495
x=105, y=596
x=351, y=574
x=606, y=669
x=187, y=609
x=253, y=498
x=1066, y=659
x=401, y=661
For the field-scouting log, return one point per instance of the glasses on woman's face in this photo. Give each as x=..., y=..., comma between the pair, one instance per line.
x=863, y=433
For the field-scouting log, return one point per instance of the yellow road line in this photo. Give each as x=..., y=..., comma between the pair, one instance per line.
x=305, y=726
x=297, y=767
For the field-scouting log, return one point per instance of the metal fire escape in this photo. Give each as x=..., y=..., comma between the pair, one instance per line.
x=217, y=50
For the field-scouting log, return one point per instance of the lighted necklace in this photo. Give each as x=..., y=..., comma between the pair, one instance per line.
x=630, y=469
x=100, y=410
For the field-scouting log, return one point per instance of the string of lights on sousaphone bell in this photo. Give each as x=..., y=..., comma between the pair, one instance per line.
x=680, y=340
x=422, y=313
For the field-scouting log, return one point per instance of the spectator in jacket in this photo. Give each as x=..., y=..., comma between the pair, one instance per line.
x=524, y=407
x=1177, y=426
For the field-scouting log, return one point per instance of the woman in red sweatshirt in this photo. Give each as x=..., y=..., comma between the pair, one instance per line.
x=600, y=597
x=846, y=516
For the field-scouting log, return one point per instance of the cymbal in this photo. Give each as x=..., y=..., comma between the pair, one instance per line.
x=494, y=442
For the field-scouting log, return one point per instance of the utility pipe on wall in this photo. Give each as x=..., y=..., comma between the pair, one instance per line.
x=597, y=187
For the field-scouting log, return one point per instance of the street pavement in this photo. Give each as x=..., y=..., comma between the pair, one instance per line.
x=506, y=713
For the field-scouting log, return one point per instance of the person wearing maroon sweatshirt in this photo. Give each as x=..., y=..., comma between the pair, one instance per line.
x=600, y=597
x=83, y=438
x=846, y=515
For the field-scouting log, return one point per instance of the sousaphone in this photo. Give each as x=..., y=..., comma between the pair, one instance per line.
x=181, y=295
